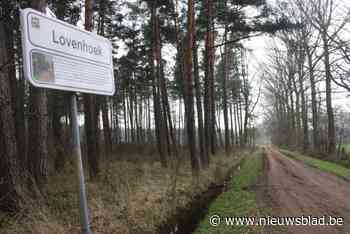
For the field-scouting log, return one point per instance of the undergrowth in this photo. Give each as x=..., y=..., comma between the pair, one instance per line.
x=133, y=194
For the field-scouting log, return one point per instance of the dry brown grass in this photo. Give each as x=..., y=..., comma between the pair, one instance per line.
x=130, y=196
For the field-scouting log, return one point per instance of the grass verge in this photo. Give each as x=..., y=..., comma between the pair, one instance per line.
x=238, y=201
x=320, y=164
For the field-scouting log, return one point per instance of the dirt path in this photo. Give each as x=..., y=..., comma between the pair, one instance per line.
x=291, y=188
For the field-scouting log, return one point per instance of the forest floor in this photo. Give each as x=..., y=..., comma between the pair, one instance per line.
x=293, y=189
x=133, y=194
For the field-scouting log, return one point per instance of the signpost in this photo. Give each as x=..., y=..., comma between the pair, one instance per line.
x=57, y=55
x=60, y=56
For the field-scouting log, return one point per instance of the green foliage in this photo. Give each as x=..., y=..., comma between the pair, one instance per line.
x=239, y=200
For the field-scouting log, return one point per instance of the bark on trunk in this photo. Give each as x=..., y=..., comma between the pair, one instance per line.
x=90, y=112
x=11, y=185
x=224, y=79
x=300, y=60
x=313, y=99
x=197, y=85
x=331, y=127
x=188, y=90
x=106, y=127
x=38, y=125
x=209, y=122
x=159, y=121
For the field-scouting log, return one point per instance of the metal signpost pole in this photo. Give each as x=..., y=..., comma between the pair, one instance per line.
x=84, y=213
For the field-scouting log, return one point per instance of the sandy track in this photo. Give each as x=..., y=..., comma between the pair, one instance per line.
x=291, y=188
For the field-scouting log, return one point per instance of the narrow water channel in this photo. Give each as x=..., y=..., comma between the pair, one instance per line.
x=185, y=220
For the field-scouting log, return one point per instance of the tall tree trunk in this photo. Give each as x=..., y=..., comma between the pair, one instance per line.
x=158, y=124
x=138, y=140
x=104, y=100
x=11, y=185
x=313, y=98
x=91, y=133
x=56, y=98
x=161, y=134
x=297, y=113
x=197, y=86
x=125, y=118
x=209, y=122
x=168, y=131
x=240, y=118
x=12, y=40
x=188, y=90
x=224, y=92
x=56, y=111
x=131, y=114
x=213, y=137
x=220, y=142
x=179, y=122
x=331, y=127
x=291, y=112
x=231, y=124
x=90, y=112
x=38, y=125
x=246, y=121
x=294, y=89
x=149, y=130
x=245, y=94
x=21, y=133
x=235, y=108
x=106, y=126
x=300, y=60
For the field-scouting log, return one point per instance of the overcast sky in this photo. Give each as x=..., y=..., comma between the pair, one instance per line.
x=259, y=48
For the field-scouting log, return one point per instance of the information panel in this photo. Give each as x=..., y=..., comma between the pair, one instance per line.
x=58, y=55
